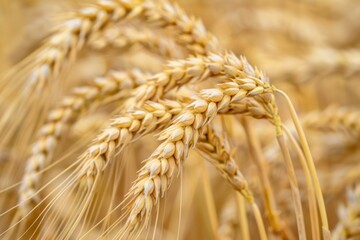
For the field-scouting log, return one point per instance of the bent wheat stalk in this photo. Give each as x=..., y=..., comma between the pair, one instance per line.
x=311, y=165
x=253, y=147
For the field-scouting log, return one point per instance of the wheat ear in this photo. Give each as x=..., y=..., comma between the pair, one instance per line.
x=125, y=37
x=72, y=35
x=176, y=74
x=104, y=88
x=333, y=119
x=177, y=139
x=216, y=149
x=133, y=124
x=110, y=86
x=82, y=99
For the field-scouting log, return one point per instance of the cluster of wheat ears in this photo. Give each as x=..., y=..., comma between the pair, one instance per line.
x=130, y=120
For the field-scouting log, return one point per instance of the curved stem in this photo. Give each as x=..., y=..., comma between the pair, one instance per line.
x=259, y=221
x=244, y=224
x=311, y=165
x=309, y=185
x=294, y=187
x=268, y=195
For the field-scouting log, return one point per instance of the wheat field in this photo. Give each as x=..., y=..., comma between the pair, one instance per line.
x=189, y=119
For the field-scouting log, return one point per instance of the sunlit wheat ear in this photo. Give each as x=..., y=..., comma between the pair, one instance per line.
x=134, y=124
x=108, y=87
x=348, y=225
x=70, y=37
x=83, y=98
x=124, y=37
x=177, y=140
x=123, y=130
x=216, y=149
x=246, y=82
x=143, y=119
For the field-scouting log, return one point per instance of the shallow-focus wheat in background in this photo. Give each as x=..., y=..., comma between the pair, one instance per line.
x=149, y=119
